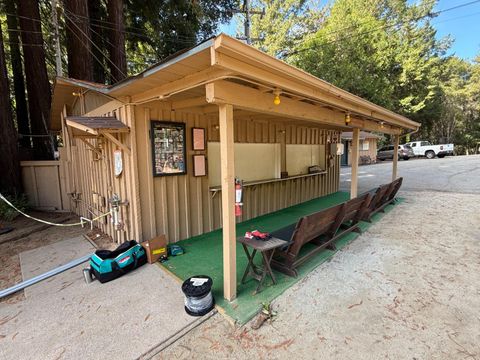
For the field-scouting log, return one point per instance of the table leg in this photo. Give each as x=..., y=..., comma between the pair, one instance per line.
x=267, y=259
x=250, y=264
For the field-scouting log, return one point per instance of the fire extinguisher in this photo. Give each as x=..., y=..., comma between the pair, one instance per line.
x=238, y=197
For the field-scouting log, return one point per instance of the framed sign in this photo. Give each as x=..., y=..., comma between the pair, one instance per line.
x=198, y=136
x=168, y=148
x=199, y=165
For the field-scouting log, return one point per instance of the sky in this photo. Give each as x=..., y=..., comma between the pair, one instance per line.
x=462, y=24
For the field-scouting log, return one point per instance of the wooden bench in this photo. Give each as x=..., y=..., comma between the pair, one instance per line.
x=321, y=229
x=383, y=196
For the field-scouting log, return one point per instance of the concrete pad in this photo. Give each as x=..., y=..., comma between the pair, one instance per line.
x=38, y=261
x=122, y=319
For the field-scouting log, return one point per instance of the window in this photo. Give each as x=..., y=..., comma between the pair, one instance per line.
x=425, y=143
x=364, y=145
x=390, y=148
x=414, y=144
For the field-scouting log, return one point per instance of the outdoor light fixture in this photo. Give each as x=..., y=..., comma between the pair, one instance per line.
x=347, y=119
x=276, y=99
x=76, y=93
x=382, y=124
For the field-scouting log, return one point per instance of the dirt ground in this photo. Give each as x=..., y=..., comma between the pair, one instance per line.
x=409, y=288
x=29, y=234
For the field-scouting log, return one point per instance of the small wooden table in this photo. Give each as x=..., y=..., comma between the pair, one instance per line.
x=266, y=248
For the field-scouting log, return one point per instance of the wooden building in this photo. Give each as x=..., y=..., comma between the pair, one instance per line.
x=170, y=141
x=367, y=147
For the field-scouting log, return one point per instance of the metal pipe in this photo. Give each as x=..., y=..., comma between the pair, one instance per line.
x=48, y=274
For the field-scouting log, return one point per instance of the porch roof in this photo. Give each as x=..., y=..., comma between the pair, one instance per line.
x=223, y=69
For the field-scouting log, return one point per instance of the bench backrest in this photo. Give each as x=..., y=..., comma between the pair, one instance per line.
x=354, y=208
x=312, y=226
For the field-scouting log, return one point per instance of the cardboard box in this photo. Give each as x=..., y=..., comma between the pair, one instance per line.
x=155, y=248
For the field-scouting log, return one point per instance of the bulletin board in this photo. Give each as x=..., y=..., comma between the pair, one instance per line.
x=168, y=148
x=259, y=161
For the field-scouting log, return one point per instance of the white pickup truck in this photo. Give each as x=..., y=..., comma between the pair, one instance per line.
x=424, y=148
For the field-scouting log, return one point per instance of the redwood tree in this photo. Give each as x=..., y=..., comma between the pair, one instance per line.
x=118, y=60
x=9, y=165
x=38, y=87
x=79, y=46
x=21, y=109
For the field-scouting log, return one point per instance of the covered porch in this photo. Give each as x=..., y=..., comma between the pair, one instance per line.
x=203, y=255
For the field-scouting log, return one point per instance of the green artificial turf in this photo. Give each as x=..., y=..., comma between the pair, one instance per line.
x=203, y=256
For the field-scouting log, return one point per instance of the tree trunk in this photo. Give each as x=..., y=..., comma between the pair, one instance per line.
x=38, y=87
x=79, y=46
x=21, y=109
x=97, y=29
x=118, y=60
x=9, y=165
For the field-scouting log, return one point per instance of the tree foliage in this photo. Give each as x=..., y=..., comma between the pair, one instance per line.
x=385, y=51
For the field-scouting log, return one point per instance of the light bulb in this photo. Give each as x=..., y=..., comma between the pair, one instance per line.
x=347, y=118
x=276, y=99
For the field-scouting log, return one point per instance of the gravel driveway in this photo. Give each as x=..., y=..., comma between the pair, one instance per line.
x=409, y=288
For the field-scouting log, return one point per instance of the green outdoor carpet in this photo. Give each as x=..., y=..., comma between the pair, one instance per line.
x=203, y=256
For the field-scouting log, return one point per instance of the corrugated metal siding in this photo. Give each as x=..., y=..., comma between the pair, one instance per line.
x=184, y=206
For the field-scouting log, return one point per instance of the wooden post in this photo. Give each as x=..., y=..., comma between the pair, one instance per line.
x=228, y=201
x=355, y=156
x=396, y=142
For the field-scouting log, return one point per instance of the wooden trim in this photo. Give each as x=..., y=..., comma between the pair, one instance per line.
x=396, y=142
x=225, y=113
x=355, y=155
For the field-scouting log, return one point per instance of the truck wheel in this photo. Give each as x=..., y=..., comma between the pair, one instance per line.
x=430, y=154
x=406, y=158
x=441, y=156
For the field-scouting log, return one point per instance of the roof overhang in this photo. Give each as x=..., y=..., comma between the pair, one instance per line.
x=227, y=64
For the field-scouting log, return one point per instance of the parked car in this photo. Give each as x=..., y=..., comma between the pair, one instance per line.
x=405, y=152
x=424, y=148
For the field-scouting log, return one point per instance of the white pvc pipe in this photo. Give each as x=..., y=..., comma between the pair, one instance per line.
x=48, y=274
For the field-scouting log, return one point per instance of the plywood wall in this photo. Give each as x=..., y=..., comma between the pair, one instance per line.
x=183, y=206
x=372, y=151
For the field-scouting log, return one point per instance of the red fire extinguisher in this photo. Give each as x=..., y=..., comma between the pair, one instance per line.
x=238, y=197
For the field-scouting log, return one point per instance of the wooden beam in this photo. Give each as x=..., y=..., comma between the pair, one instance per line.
x=396, y=142
x=355, y=158
x=93, y=148
x=225, y=114
x=189, y=103
x=80, y=127
x=250, y=99
x=187, y=82
x=117, y=142
x=247, y=98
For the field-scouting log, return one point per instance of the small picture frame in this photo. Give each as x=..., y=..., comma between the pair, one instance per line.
x=198, y=138
x=199, y=165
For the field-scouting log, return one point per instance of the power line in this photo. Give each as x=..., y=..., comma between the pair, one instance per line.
x=91, y=52
x=96, y=46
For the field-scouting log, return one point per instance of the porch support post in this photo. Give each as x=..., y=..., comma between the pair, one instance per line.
x=396, y=142
x=355, y=156
x=228, y=201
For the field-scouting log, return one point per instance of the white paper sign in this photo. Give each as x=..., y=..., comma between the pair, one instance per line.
x=117, y=156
